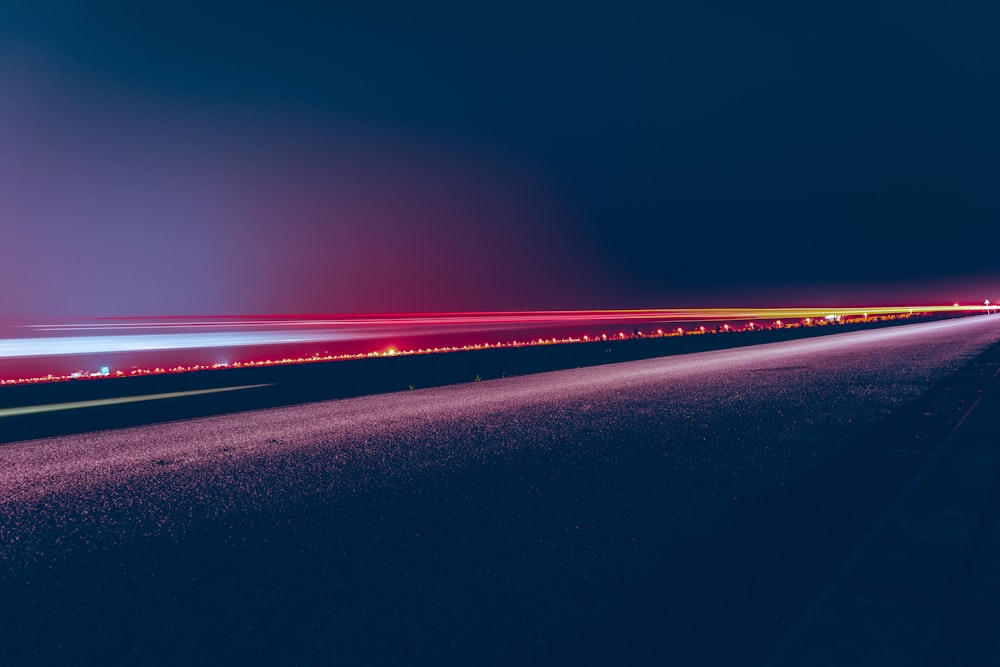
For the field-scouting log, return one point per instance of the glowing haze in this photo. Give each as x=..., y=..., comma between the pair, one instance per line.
x=132, y=210
x=201, y=160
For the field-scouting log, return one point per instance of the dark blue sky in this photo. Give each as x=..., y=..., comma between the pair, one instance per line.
x=211, y=158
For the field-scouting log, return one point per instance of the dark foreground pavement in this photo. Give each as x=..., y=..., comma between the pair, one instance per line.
x=684, y=510
x=923, y=588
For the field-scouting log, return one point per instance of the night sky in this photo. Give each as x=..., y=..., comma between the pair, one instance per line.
x=398, y=157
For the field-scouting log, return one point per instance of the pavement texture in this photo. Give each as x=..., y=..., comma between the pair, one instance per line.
x=923, y=588
x=680, y=511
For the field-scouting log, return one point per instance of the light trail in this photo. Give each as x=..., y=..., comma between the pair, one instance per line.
x=68, y=345
x=417, y=323
x=441, y=332
x=75, y=405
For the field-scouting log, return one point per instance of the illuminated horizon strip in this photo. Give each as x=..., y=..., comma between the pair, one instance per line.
x=74, y=405
x=519, y=317
x=346, y=329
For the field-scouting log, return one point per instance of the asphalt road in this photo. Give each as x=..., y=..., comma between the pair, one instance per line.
x=530, y=518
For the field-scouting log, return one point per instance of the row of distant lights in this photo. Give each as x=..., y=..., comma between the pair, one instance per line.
x=392, y=352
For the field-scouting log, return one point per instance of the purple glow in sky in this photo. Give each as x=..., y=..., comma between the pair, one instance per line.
x=116, y=205
x=300, y=158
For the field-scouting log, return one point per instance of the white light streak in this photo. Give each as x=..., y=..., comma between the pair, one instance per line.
x=57, y=346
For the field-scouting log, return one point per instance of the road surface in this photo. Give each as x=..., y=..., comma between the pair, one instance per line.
x=478, y=523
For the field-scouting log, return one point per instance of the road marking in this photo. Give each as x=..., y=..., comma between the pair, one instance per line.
x=53, y=407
